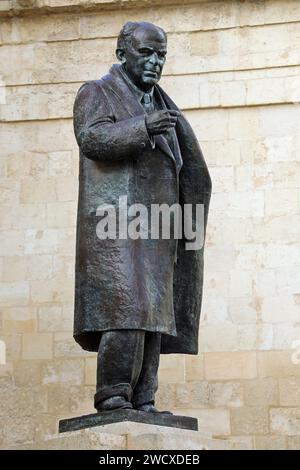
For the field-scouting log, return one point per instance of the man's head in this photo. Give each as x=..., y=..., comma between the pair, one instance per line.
x=142, y=49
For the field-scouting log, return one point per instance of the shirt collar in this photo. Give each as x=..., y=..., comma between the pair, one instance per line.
x=138, y=92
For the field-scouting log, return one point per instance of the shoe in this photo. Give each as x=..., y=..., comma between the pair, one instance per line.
x=150, y=408
x=114, y=403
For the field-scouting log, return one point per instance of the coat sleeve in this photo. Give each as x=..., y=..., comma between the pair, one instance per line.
x=98, y=135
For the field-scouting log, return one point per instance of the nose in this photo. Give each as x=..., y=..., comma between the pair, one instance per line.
x=154, y=58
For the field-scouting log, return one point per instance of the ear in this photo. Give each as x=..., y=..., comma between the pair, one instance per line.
x=120, y=53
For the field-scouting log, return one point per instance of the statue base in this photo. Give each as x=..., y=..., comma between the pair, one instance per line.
x=119, y=416
x=136, y=436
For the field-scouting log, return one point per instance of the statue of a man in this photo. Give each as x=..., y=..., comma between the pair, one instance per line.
x=135, y=297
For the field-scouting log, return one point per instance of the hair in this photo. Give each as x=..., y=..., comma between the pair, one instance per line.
x=128, y=29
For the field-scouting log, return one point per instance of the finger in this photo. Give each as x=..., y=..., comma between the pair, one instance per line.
x=173, y=112
x=169, y=119
x=166, y=128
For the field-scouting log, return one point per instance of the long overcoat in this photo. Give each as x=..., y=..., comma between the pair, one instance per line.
x=143, y=283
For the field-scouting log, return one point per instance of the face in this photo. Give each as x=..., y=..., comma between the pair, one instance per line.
x=144, y=58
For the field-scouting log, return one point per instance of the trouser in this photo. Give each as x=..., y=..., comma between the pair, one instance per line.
x=127, y=365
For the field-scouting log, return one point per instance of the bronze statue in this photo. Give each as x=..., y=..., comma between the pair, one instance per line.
x=135, y=298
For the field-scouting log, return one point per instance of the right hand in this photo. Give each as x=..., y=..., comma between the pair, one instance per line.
x=161, y=121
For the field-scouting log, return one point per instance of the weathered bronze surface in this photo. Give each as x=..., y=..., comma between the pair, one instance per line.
x=135, y=298
x=115, y=416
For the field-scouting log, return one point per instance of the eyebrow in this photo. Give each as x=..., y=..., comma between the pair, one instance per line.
x=151, y=48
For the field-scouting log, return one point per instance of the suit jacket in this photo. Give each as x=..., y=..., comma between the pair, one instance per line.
x=152, y=285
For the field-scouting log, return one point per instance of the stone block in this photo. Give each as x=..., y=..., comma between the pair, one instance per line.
x=261, y=392
x=61, y=214
x=17, y=430
x=58, y=400
x=11, y=243
x=222, y=337
x=214, y=312
x=54, y=318
x=45, y=426
x=64, y=266
x=90, y=370
x=288, y=279
x=60, y=163
x=265, y=336
x=278, y=231
x=64, y=371
x=14, y=268
x=242, y=310
x=42, y=28
x=278, y=130
x=286, y=335
x=33, y=191
x=279, y=364
x=250, y=420
x=65, y=345
x=285, y=421
x=270, y=443
x=23, y=402
x=216, y=283
x=24, y=216
x=219, y=258
x=194, y=366
x=40, y=242
x=209, y=124
x=286, y=174
x=19, y=326
x=241, y=282
x=165, y=398
x=264, y=283
x=234, y=93
x=134, y=436
x=216, y=422
x=184, y=93
x=281, y=201
x=10, y=191
x=37, y=346
x=266, y=91
x=280, y=148
x=81, y=400
x=13, y=343
x=39, y=267
x=230, y=365
x=172, y=368
x=251, y=255
x=244, y=204
x=293, y=442
x=51, y=290
x=67, y=188
x=289, y=390
x=282, y=255
x=279, y=309
x=223, y=178
x=253, y=152
x=28, y=373
x=14, y=293
x=226, y=394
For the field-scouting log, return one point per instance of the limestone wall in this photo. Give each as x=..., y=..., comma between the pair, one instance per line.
x=234, y=68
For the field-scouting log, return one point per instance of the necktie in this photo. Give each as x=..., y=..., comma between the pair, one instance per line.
x=147, y=103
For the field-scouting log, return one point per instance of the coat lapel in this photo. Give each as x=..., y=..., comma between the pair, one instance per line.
x=125, y=95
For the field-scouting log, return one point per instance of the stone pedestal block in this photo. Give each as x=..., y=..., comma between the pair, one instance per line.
x=134, y=436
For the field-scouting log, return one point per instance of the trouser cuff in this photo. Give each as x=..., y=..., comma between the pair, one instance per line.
x=122, y=389
x=142, y=398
